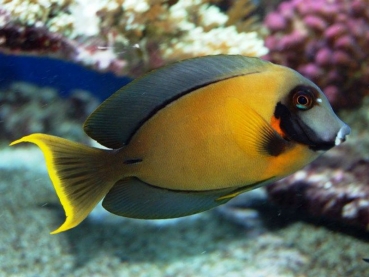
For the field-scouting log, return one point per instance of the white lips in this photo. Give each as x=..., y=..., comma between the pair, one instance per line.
x=342, y=133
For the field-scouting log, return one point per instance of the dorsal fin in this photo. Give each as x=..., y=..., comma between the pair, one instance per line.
x=115, y=121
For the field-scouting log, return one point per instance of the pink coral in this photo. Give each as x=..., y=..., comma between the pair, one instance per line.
x=327, y=41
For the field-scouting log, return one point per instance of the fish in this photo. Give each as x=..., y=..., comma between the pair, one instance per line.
x=190, y=136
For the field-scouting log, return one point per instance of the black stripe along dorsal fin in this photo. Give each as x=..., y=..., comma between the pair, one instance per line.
x=114, y=122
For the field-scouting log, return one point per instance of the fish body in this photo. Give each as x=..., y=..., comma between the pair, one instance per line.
x=205, y=138
x=191, y=136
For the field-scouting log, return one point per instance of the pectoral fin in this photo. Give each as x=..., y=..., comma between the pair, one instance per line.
x=252, y=132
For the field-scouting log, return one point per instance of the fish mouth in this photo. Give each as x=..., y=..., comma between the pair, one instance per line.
x=295, y=129
x=326, y=145
x=317, y=145
x=322, y=146
x=342, y=134
x=306, y=135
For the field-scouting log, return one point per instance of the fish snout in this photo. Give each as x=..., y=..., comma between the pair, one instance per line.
x=330, y=137
x=342, y=134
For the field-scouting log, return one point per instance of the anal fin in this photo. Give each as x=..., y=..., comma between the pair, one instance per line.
x=134, y=198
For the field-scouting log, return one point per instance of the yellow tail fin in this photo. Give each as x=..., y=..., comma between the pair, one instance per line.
x=81, y=175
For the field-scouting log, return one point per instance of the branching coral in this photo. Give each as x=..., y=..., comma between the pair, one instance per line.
x=126, y=36
x=327, y=41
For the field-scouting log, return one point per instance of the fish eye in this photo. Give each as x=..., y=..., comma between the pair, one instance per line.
x=303, y=100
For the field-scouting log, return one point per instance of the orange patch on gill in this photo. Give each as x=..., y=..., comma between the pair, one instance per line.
x=275, y=123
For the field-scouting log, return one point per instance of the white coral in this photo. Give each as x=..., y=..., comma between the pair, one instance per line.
x=217, y=41
x=32, y=12
x=186, y=29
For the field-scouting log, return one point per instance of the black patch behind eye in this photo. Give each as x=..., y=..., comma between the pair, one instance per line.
x=298, y=131
x=289, y=123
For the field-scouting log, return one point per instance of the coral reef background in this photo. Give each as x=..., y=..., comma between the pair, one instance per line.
x=124, y=36
x=313, y=223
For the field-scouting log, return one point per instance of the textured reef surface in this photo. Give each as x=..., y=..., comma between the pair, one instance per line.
x=125, y=37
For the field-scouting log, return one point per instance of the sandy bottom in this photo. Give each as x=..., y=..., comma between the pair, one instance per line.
x=203, y=245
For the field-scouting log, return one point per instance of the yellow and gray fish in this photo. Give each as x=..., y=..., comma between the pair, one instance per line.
x=190, y=136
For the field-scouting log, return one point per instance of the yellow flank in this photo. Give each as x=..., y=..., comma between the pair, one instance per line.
x=87, y=168
x=190, y=145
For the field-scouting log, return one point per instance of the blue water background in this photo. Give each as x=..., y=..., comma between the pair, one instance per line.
x=59, y=74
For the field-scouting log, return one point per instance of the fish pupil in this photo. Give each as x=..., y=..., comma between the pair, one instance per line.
x=303, y=100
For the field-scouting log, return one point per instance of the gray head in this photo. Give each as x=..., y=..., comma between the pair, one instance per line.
x=307, y=117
